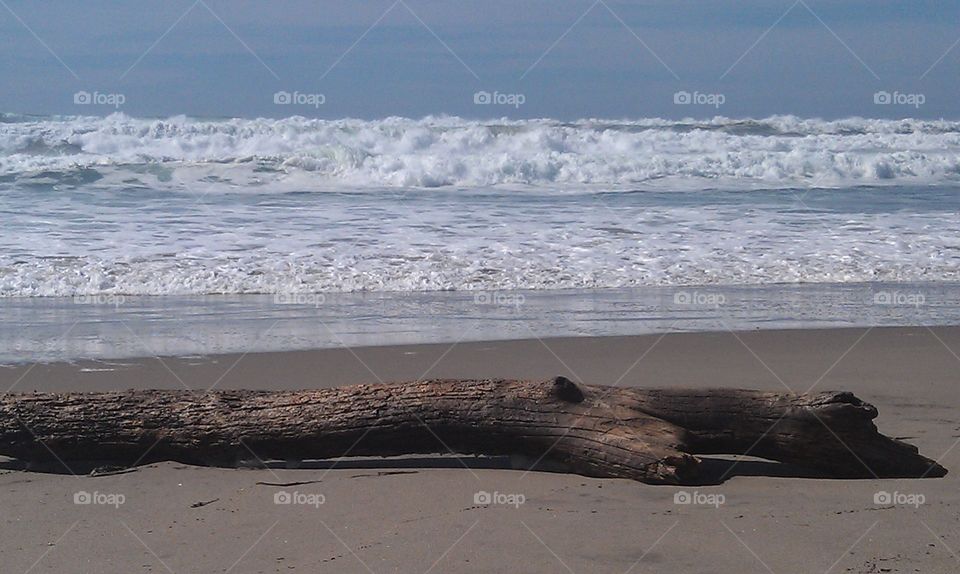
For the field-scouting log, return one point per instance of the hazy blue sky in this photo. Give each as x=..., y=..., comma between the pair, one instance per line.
x=567, y=58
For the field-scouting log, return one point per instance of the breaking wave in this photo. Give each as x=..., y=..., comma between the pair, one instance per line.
x=296, y=154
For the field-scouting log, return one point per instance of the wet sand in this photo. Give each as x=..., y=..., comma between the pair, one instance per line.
x=383, y=516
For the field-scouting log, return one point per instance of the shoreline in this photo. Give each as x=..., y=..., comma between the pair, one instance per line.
x=538, y=357
x=109, y=327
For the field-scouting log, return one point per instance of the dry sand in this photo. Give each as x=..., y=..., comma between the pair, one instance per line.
x=392, y=519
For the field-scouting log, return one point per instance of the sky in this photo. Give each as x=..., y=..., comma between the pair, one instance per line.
x=565, y=59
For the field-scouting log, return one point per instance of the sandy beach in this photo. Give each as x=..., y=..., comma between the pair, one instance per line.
x=430, y=515
x=610, y=252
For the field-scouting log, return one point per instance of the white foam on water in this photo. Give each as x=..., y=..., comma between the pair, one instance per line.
x=299, y=153
x=427, y=242
x=181, y=206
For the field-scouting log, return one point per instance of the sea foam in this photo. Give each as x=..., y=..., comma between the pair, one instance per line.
x=303, y=154
x=183, y=206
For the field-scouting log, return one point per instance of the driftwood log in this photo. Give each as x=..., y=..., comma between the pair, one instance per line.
x=643, y=434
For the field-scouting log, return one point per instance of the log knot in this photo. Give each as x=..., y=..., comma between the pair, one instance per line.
x=844, y=404
x=566, y=390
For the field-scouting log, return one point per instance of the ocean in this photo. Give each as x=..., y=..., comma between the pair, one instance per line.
x=199, y=234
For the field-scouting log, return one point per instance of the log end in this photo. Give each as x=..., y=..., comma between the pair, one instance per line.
x=840, y=427
x=935, y=471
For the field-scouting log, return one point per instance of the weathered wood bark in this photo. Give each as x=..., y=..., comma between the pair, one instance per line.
x=642, y=434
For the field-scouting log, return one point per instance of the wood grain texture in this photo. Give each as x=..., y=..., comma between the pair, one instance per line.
x=649, y=435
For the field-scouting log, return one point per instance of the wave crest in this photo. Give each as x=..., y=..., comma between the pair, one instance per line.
x=299, y=153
